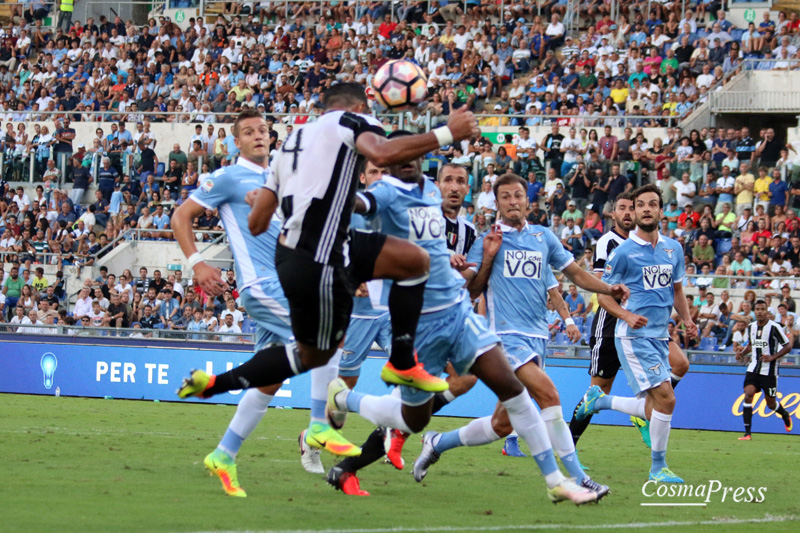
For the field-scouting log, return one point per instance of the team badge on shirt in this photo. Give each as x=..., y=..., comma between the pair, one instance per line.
x=207, y=185
x=669, y=252
x=539, y=236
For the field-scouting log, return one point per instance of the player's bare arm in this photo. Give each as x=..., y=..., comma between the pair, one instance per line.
x=560, y=305
x=589, y=282
x=210, y=278
x=615, y=309
x=682, y=307
x=264, y=205
x=385, y=152
x=491, y=245
x=783, y=351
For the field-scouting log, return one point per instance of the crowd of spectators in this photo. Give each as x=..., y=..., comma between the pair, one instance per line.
x=730, y=199
x=517, y=62
x=29, y=303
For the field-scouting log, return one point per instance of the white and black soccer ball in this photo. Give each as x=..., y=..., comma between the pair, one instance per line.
x=400, y=84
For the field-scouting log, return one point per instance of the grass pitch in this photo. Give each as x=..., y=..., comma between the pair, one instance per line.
x=112, y=465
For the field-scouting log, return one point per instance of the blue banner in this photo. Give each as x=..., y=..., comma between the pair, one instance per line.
x=706, y=400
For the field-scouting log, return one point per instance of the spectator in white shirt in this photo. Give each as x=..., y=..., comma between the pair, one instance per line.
x=83, y=305
x=29, y=324
x=486, y=200
x=229, y=327
x=555, y=30
x=238, y=317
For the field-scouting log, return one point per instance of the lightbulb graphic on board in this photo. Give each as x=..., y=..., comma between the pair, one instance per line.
x=49, y=364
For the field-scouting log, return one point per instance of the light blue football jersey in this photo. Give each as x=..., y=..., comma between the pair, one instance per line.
x=225, y=190
x=410, y=212
x=522, y=273
x=362, y=306
x=650, y=274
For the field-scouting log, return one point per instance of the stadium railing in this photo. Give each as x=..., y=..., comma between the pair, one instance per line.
x=161, y=333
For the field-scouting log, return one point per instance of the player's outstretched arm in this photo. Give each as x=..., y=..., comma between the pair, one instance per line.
x=491, y=245
x=210, y=278
x=612, y=306
x=264, y=205
x=560, y=305
x=386, y=152
x=589, y=282
x=682, y=307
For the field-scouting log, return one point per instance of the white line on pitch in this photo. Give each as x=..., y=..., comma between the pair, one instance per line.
x=672, y=504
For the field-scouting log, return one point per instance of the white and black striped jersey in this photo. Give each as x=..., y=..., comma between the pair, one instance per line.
x=314, y=176
x=765, y=340
x=461, y=235
x=604, y=323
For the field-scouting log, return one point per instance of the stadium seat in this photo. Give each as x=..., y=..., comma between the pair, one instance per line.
x=708, y=344
x=160, y=169
x=736, y=34
x=723, y=246
x=248, y=325
x=579, y=321
x=561, y=338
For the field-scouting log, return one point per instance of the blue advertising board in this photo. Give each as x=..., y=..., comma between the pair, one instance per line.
x=706, y=400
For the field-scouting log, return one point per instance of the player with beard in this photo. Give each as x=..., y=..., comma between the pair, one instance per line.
x=512, y=265
x=409, y=206
x=653, y=267
x=604, y=360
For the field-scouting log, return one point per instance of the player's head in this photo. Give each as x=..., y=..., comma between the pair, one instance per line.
x=762, y=311
x=411, y=171
x=347, y=96
x=454, y=185
x=624, y=213
x=370, y=173
x=648, y=205
x=252, y=136
x=511, y=195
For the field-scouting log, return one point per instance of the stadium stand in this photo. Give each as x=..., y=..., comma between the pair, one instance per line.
x=109, y=124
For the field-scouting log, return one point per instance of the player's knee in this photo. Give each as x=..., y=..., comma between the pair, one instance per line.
x=547, y=397
x=501, y=426
x=681, y=367
x=461, y=384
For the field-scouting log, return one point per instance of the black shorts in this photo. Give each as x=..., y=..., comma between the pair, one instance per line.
x=605, y=362
x=769, y=384
x=321, y=296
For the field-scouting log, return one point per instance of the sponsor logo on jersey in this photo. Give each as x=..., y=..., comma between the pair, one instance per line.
x=657, y=277
x=426, y=223
x=761, y=343
x=522, y=264
x=207, y=185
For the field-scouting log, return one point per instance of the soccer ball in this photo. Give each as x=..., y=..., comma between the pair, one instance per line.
x=399, y=84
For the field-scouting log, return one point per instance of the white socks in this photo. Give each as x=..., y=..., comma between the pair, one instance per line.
x=252, y=408
x=629, y=406
x=659, y=431
x=385, y=411
x=558, y=431
x=478, y=432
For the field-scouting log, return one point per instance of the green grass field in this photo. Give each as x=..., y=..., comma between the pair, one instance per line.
x=112, y=465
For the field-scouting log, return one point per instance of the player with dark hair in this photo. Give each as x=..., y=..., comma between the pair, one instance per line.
x=320, y=262
x=228, y=190
x=653, y=267
x=605, y=363
x=512, y=265
x=768, y=343
x=449, y=330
